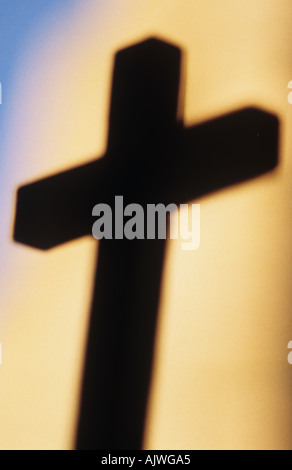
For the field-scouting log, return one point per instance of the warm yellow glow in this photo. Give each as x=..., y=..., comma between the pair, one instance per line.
x=221, y=377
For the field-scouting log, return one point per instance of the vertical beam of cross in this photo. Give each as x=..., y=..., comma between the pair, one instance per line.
x=151, y=158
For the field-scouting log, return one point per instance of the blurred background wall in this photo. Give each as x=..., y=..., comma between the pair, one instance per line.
x=221, y=378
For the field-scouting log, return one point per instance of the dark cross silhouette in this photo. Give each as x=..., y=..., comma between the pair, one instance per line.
x=151, y=158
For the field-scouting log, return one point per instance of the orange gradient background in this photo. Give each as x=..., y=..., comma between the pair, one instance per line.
x=221, y=378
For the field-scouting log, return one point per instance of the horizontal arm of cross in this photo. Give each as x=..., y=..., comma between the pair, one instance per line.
x=58, y=209
x=225, y=151
x=213, y=155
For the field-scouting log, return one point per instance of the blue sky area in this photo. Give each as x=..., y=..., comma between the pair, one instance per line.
x=18, y=20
